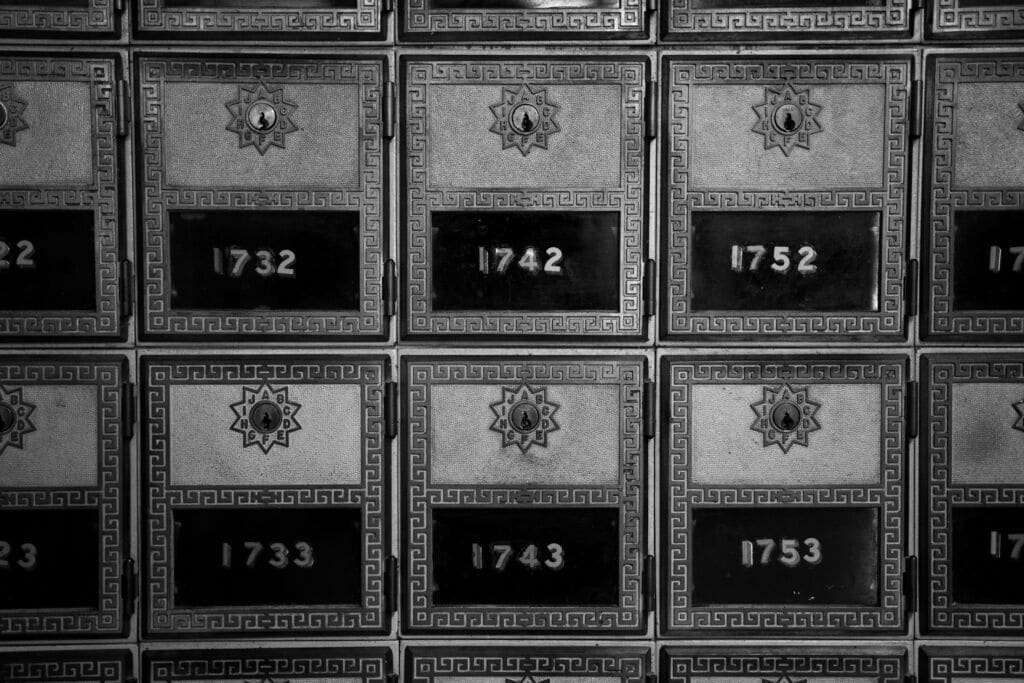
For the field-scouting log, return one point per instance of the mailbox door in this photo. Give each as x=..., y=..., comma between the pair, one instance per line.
x=523, y=202
x=60, y=224
x=752, y=21
x=784, y=505
x=299, y=665
x=521, y=20
x=66, y=666
x=280, y=232
x=973, y=483
x=59, y=19
x=786, y=198
x=971, y=241
x=525, y=665
x=63, y=461
x=783, y=664
x=264, y=495
x=291, y=20
x=523, y=493
x=975, y=20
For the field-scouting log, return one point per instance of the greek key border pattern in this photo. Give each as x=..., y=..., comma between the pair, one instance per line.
x=681, y=495
x=946, y=197
x=945, y=664
x=162, y=498
x=418, y=17
x=948, y=15
x=153, y=15
x=890, y=200
x=166, y=666
x=103, y=667
x=107, y=498
x=422, y=497
x=157, y=198
x=885, y=668
x=427, y=663
x=943, y=496
x=98, y=17
x=421, y=199
x=101, y=196
x=685, y=18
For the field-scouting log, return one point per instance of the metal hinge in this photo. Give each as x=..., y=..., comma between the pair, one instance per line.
x=390, y=584
x=127, y=285
x=389, y=107
x=123, y=107
x=910, y=678
x=916, y=108
x=389, y=288
x=915, y=5
x=649, y=408
x=910, y=583
x=913, y=408
x=387, y=6
x=391, y=409
x=911, y=284
x=650, y=293
x=648, y=583
x=651, y=109
x=119, y=5
x=128, y=410
x=129, y=586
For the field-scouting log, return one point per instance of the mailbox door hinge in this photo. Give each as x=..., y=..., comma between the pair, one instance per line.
x=391, y=409
x=127, y=285
x=118, y=6
x=389, y=109
x=650, y=396
x=123, y=107
x=913, y=408
x=912, y=287
x=910, y=583
x=651, y=109
x=915, y=5
x=128, y=410
x=387, y=6
x=650, y=292
x=648, y=583
x=390, y=585
x=916, y=108
x=389, y=288
x=129, y=586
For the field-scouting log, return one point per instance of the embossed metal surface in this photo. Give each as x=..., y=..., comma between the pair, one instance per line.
x=287, y=452
x=525, y=665
x=754, y=434
x=63, y=496
x=315, y=665
x=961, y=664
x=66, y=666
x=975, y=19
x=63, y=18
x=252, y=148
x=241, y=19
x=783, y=664
x=510, y=442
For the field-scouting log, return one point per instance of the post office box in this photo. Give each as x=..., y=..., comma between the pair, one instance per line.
x=965, y=664
x=974, y=180
x=523, y=494
x=975, y=20
x=260, y=19
x=522, y=20
x=268, y=664
x=48, y=19
x=783, y=664
x=784, y=505
x=64, y=540
x=972, y=529
x=94, y=665
x=262, y=208
x=518, y=664
x=265, y=505
x=751, y=21
x=523, y=197
x=786, y=193
x=61, y=237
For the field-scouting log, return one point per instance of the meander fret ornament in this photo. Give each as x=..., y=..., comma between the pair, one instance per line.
x=15, y=418
x=261, y=116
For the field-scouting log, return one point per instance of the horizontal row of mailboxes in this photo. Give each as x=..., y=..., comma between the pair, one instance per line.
x=525, y=489
x=519, y=664
x=262, y=198
x=481, y=20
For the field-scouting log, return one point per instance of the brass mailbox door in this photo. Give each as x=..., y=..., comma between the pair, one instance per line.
x=785, y=20
x=974, y=181
x=262, y=208
x=63, y=517
x=972, y=530
x=521, y=20
x=562, y=664
x=298, y=665
x=523, y=197
x=264, y=500
x=66, y=666
x=291, y=20
x=786, y=194
x=783, y=664
x=975, y=20
x=59, y=19
x=61, y=237
x=967, y=664
x=784, y=506
x=523, y=494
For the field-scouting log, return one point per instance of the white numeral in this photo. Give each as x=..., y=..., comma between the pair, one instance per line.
x=24, y=259
x=529, y=556
x=28, y=560
x=995, y=259
x=554, y=262
x=782, y=261
x=789, y=551
x=504, y=552
x=279, y=559
x=266, y=264
x=529, y=261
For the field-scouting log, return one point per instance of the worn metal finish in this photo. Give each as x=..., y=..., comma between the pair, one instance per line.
x=783, y=664
x=324, y=664
x=90, y=665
